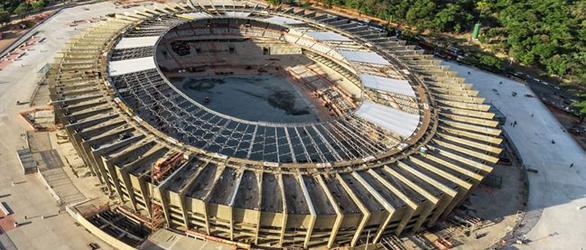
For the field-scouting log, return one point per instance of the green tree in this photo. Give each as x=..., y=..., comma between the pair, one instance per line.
x=4, y=16
x=419, y=13
x=557, y=65
x=452, y=18
x=491, y=61
x=484, y=7
x=445, y=17
x=22, y=9
x=38, y=4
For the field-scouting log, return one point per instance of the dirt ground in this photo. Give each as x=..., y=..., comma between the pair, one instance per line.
x=497, y=209
x=16, y=31
x=309, y=98
x=9, y=39
x=486, y=220
x=500, y=208
x=569, y=121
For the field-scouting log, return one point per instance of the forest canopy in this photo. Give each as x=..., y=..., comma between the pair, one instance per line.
x=18, y=7
x=548, y=34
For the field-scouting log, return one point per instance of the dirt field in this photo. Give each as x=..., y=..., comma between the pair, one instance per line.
x=9, y=39
x=569, y=121
x=498, y=210
x=16, y=31
x=486, y=220
x=251, y=97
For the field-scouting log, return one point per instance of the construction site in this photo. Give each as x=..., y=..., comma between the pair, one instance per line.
x=395, y=156
x=242, y=125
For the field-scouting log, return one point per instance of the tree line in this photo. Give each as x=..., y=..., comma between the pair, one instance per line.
x=549, y=34
x=19, y=8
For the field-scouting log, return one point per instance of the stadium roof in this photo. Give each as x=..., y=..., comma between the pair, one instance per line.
x=398, y=121
x=387, y=84
x=328, y=36
x=283, y=20
x=131, y=65
x=135, y=42
x=364, y=57
x=237, y=14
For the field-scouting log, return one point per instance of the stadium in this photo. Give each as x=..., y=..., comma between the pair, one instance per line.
x=271, y=126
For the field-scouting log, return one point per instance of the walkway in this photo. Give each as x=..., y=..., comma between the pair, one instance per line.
x=557, y=191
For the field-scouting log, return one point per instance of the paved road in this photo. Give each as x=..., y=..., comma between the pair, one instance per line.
x=557, y=193
x=29, y=197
